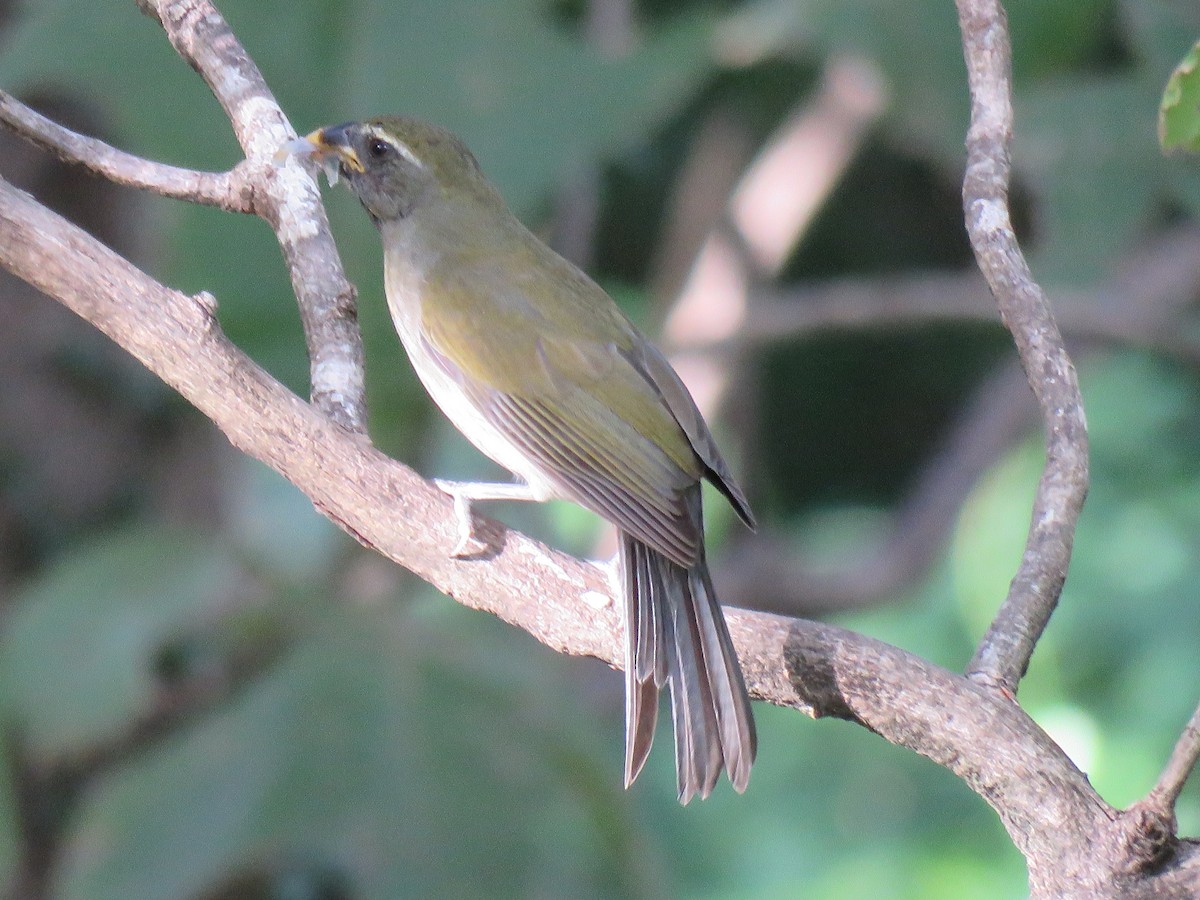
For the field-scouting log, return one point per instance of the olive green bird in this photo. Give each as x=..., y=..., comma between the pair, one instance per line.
x=540, y=369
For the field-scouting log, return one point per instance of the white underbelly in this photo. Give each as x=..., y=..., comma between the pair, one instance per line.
x=448, y=394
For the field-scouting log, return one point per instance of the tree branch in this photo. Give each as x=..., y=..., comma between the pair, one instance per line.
x=1183, y=760
x=286, y=197
x=1003, y=654
x=1076, y=844
x=1148, y=304
x=224, y=190
x=563, y=602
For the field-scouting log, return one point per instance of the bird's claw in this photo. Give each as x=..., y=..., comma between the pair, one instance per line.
x=468, y=544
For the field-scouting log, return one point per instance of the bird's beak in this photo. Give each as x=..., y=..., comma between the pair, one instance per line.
x=334, y=141
x=330, y=146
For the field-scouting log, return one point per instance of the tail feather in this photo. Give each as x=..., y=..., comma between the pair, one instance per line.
x=697, y=742
x=676, y=635
x=641, y=716
x=649, y=661
x=736, y=722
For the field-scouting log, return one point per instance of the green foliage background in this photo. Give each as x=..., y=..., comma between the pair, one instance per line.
x=408, y=747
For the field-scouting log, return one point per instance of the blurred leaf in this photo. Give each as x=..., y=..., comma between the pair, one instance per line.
x=376, y=748
x=420, y=749
x=1050, y=38
x=75, y=656
x=10, y=848
x=277, y=528
x=531, y=100
x=1097, y=182
x=1159, y=33
x=915, y=43
x=1179, y=110
x=283, y=880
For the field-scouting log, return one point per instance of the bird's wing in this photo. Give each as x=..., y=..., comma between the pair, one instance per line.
x=611, y=470
x=556, y=398
x=650, y=361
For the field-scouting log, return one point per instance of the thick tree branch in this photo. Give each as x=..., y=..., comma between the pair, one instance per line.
x=1003, y=654
x=1076, y=844
x=384, y=504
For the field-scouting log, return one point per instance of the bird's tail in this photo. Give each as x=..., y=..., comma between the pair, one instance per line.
x=676, y=635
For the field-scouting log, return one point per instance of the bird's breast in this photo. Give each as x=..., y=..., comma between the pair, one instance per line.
x=405, y=286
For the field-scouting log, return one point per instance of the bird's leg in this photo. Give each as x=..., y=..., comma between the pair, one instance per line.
x=465, y=493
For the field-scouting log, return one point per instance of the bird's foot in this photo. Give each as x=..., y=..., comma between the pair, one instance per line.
x=468, y=544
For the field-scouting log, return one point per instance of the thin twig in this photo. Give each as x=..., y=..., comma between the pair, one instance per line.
x=1004, y=652
x=1183, y=760
x=1145, y=305
x=224, y=190
x=286, y=197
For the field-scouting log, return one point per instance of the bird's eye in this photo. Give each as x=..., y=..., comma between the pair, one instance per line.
x=378, y=148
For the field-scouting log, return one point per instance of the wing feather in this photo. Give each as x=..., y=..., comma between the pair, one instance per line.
x=570, y=385
x=585, y=470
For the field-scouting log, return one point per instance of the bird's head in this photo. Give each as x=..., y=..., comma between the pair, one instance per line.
x=396, y=165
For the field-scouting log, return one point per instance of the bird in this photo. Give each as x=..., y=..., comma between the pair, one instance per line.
x=541, y=370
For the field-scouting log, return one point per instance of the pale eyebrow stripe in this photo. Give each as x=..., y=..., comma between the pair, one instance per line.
x=402, y=149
